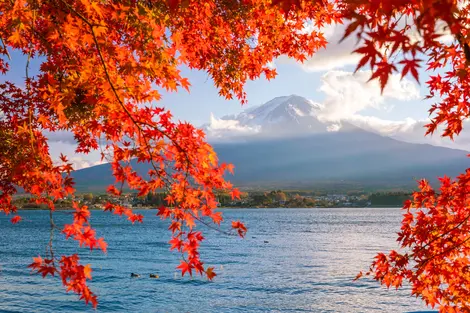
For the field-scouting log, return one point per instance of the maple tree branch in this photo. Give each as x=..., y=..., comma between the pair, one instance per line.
x=45, y=42
x=5, y=48
x=441, y=236
x=466, y=49
x=441, y=253
x=175, y=143
x=108, y=78
x=122, y=186
x=152, y=162
x=28, y=83
x=113, y=88
x=211, y=226
x=51, y=237
x=136, y=123
x=103, y=154
x=84, y=19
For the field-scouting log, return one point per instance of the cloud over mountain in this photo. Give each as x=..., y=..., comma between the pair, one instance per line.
x=346, y=94
x=280, y=117
x=294, y=116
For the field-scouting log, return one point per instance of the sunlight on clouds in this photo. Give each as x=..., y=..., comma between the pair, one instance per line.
x=336, y=55
x=347, y=93
x=219, y=128
x=386, y=127
x=78, y=162
x=60, y=144
x=333, y=127
x=412, y=131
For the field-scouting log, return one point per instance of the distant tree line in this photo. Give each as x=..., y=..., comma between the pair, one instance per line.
x=389, y=198
x=266, y=199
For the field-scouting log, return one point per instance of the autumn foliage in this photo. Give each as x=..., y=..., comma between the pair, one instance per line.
x=103, y=65
x=401, y=36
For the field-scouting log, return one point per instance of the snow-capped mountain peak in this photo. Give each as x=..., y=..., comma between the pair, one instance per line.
x=278, y=117
x=280, y=109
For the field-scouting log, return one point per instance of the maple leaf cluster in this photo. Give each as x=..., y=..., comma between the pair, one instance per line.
x=400, y=36
x=103, y=65
x=435, y=238
x=73, y=274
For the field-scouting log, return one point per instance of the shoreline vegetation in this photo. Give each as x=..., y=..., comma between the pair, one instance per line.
x=249, y=200
x=220, y=208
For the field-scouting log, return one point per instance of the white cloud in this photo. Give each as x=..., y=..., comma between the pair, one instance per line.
x=347, y=94
x=339, y=54
x=60, y=136
x=387, y=127
x=78, y=161
x=336, y=55
x=223, y=128
x=333, y=127
x=412, y=131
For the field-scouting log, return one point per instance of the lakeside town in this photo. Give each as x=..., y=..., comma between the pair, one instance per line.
x=252, y=199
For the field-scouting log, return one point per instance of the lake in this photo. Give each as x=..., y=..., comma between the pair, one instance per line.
x=307, y=265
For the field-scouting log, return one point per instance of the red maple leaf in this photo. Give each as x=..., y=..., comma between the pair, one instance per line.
x=185, y=267
x=16, y=219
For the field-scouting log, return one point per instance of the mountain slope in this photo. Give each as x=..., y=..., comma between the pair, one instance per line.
x=350, y=156
x=279, y=118
x=290, y=147
x=353, y=157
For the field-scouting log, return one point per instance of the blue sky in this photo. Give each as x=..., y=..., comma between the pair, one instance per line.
x=203, y=98
x=326, y=78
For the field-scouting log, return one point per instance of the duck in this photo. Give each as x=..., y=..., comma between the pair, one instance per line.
x=154, y=276
x=266, y=241
x=135, y=275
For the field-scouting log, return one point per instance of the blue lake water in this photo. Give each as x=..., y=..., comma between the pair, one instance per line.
x=308, y=264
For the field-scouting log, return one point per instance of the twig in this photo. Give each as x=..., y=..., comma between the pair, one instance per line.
x=210, y=226
x=6, y=49
x=51, y=238
x=442, y=253
x=441, y=235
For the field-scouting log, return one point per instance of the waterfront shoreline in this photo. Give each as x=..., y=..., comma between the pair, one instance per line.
x=222, y=208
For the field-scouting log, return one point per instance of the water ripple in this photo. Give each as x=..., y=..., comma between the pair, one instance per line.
x=307, y=265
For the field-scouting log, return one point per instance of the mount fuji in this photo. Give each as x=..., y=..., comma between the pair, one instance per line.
x=281, y=117
x=286, y=143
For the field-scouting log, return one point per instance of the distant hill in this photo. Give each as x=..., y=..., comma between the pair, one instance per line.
x=291, y=148
x=353, y=157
